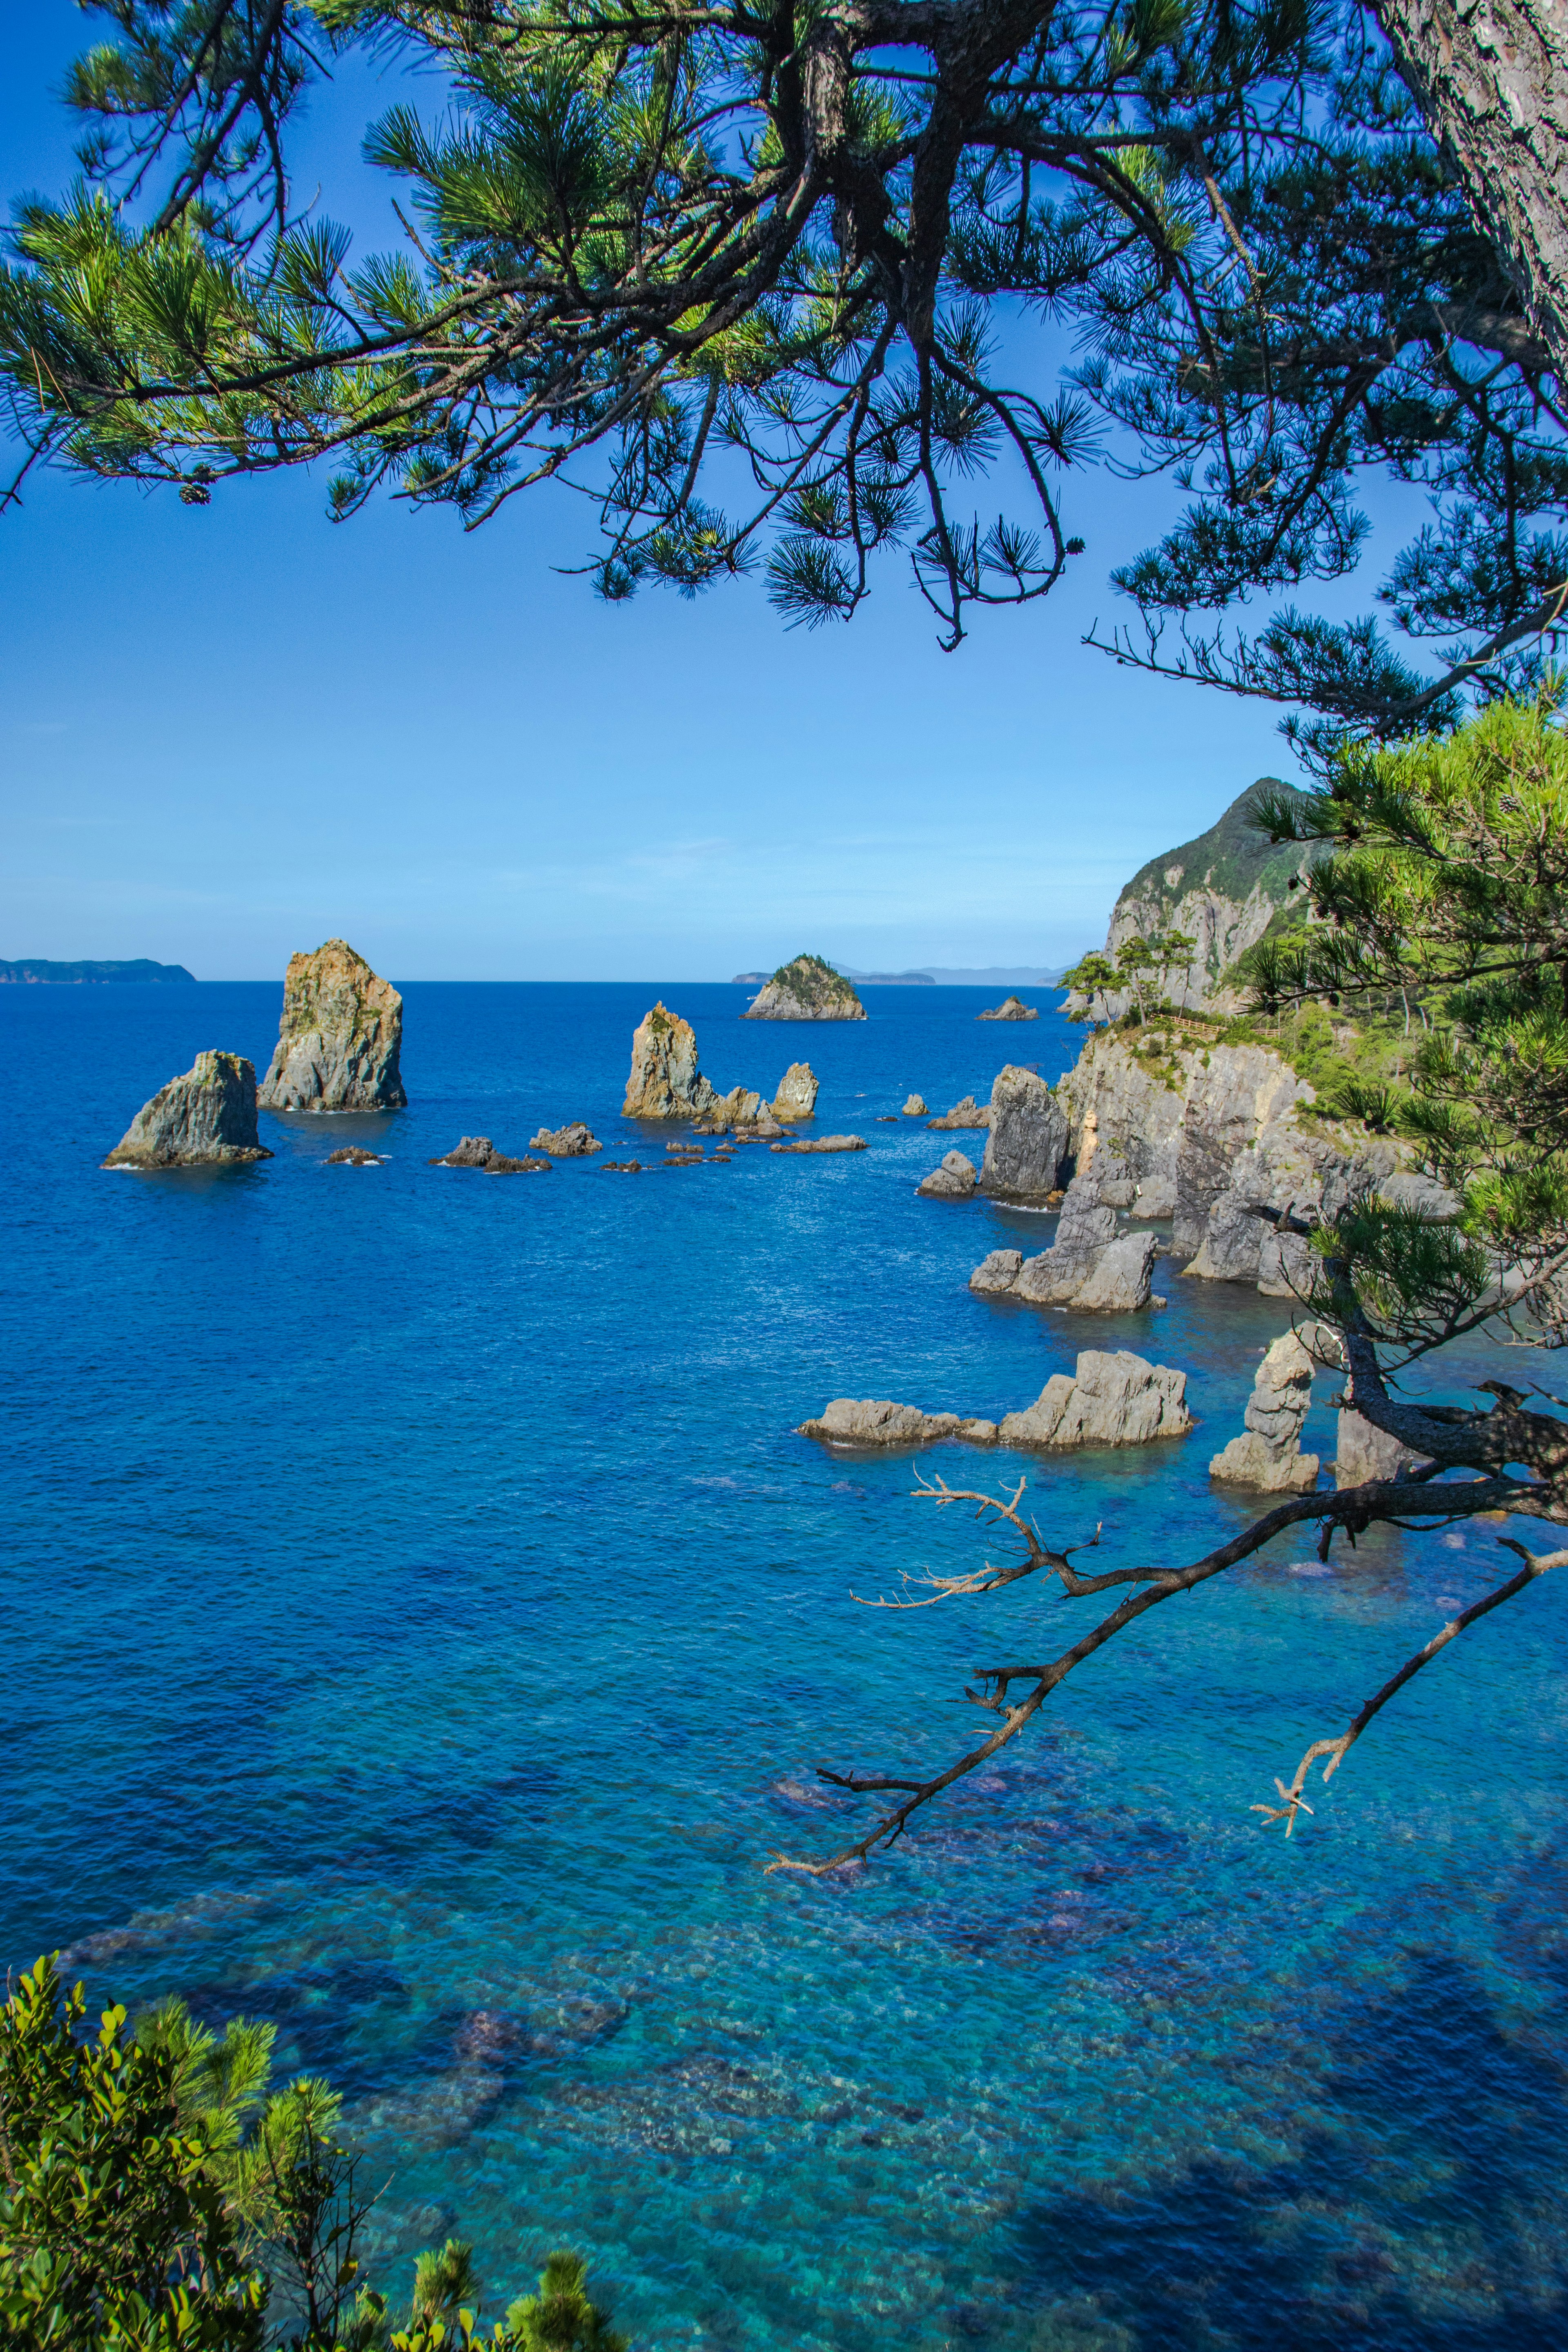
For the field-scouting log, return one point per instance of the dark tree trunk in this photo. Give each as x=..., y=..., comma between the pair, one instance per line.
x=1491, y=79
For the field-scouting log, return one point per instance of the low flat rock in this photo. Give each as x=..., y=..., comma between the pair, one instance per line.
x=967, y=1113
x=575, y=1140
x=205, y=1118
x=822, y=1143
x=479, y=1151
x=878, y=1422
x=953, y=1181
x=353, y=1156
x=1109, y=1400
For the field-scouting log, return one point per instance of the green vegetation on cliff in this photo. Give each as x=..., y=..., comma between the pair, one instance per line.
x=1232, y=860
x=811, y=980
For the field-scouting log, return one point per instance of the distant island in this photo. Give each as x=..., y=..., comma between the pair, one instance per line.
x=34, y=972
x=991, y=975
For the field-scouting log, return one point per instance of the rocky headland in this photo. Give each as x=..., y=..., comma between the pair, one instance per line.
x=1108, y=1400
x=205, y=1118
x=339, y=1039
x=806, y=988
x=1012, y=1008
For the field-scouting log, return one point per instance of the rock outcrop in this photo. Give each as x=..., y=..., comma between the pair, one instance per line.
x=665, y=1081
x=967, y=1113
x=575, y=1140
x=339, y=1038
x=1028, y=1147
x=953, y=1181
x=1012, y=1008
x=1364, y=1453
x=1268, y=1456
x=806, y=988
x=822, y=1143
x=353, y=1156
x=873, y=1420
x=205, y=1118
x=479, y=1151
x=1091, y=1266
x=796, y=1097
x=1111, y=1399
x=915, y=1107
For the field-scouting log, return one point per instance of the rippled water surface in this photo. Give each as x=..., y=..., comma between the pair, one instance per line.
x=422, y=1622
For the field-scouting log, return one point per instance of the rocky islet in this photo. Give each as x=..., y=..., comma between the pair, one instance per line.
x=340, y=1037
x=807, y=988
x=206, y=1118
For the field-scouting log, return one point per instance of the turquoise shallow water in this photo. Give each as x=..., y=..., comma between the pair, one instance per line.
x=421, y=1621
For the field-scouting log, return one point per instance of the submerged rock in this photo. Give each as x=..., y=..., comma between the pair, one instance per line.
x=822, y=1143
x=1027, y=1149
x=915, y=1107
x=1109, y=1399
x=1012, y=1008
x=665, y=1081
x=806, y=988
x=204, y=1118
x=1268, y=1456
x=340, y=1037
x=575, y=1140
x=967, y=1113
x=796, y=1096
x=953, y=1181
x=479, y=1151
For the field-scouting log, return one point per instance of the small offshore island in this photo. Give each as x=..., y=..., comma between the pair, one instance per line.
x=806, y=988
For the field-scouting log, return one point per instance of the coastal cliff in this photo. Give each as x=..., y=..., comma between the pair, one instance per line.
x=806, y=988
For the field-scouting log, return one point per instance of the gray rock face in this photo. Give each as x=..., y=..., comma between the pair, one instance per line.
x=878, y=1422
x=1365, y=1454
x=575, y=1140
x=340, y=1037
x=967, y=1113
x=1091, y=1265
x=1268, y=1456
x=914, y=1107
x=796, y=1096
x=204, y=1118
x=953, y=1181
x=665, y=1081
x=822, y=1143
x=1112, y=1399
x=1027, y=1149
x=1012, y=1008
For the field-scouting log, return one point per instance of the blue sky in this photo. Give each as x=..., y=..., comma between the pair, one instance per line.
x=230, y=732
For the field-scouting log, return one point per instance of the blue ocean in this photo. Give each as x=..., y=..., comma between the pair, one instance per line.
x=423, y=1621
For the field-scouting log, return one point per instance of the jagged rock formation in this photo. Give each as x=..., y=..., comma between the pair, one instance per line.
x=1027, y=1149
x=953, y=1181
x=967, y=1113
x=353, y=1155
x=1224, y=891
x=796, y=1097
x=1111, y=1399
x=1365, y=1452
x=205, y=1117
x=1210, y=1136
x=665, y=1081
x=1012, y=1008
x=1268, y=1456
x=340, y=1037
x=876, y=1420
x=1091, y=1265
x=575, y=1140
x=479, y=1151
x=915, y=1107
x=806, y=988
x=822, y=1143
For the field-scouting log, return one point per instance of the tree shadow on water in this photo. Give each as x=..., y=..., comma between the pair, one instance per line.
x=1427, y=2215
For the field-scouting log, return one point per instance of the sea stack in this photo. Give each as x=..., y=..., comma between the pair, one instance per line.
x=203, y=1119
x=665, y=1081
x=1267, y=1454
x=1012, y=1008
x=806, y=988
x=340, y=1037
x=796, y=1097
